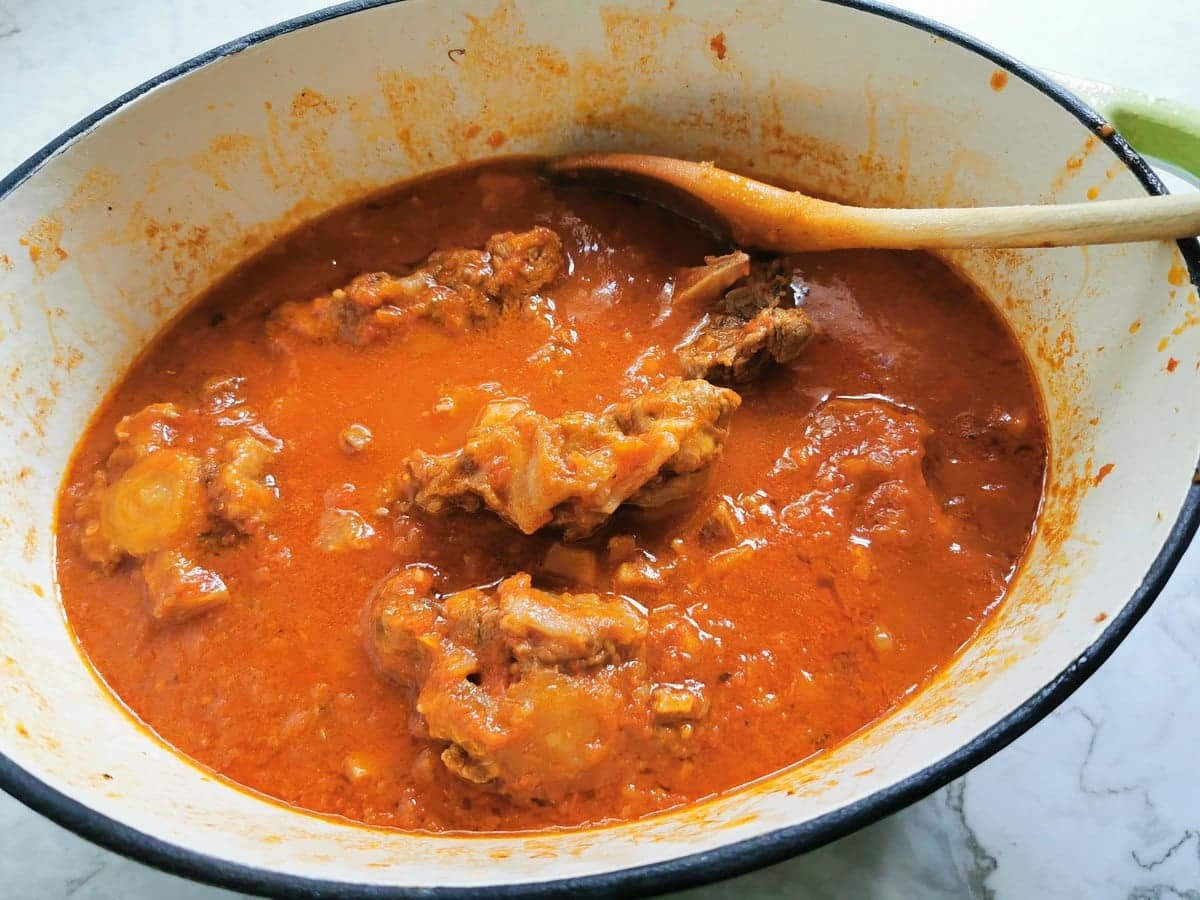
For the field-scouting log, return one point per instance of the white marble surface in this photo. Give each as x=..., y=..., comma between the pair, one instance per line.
x=1102, y=799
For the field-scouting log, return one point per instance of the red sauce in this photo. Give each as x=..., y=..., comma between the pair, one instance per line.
x=880, y=531
x=717, y=45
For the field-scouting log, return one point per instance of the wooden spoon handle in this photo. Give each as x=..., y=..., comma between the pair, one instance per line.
x=1052, y=225
x=771, y=218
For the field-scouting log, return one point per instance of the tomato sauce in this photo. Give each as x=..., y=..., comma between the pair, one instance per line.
x=885, y=486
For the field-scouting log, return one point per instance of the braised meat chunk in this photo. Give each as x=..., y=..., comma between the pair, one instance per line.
x=572, y=631
x=179, y=481
x=526, y=690
x=771, y=283
x=457, y=288
x=675, y=710
x=243, y=489
x=522, y=263
x=179, y=588
x=573, y=471
x=156, y=503
x=695, y=415
x=730, y=350
x=758, y=322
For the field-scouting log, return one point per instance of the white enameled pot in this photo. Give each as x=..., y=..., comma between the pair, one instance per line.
x=108, y=232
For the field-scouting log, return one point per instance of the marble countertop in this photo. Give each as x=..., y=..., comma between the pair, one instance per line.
x=1102, y=799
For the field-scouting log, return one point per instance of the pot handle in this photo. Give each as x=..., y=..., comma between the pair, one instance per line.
x=1163, y=129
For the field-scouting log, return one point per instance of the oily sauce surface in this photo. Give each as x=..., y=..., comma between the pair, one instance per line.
x=831, y=605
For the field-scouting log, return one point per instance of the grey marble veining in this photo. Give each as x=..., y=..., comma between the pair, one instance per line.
x=1102, y=799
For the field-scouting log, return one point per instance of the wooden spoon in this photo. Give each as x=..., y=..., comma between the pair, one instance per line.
x=769, y=218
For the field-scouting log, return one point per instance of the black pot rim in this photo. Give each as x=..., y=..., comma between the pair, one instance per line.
x=699, y=868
